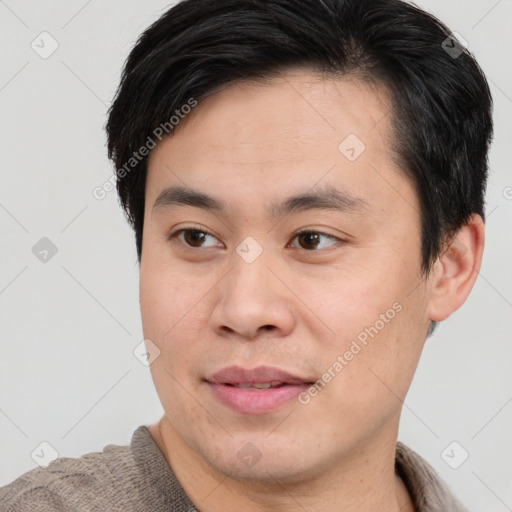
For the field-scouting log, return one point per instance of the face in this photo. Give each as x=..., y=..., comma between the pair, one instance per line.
x=301, y=266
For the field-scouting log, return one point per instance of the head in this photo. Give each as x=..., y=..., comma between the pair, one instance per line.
x=249, y=123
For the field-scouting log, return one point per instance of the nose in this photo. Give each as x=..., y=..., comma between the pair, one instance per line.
x=252, y=302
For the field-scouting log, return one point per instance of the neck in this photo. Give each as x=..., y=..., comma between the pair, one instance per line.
x=365, y=483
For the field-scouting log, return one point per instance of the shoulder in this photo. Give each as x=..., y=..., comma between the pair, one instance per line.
x=428, y=492
x=67, y=484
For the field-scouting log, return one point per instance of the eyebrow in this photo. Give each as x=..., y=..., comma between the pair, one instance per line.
x=327, y=198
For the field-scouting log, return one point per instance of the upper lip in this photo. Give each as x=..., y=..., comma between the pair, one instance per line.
x=260, y=374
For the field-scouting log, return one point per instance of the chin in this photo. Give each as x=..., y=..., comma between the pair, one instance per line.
x=268, y=473
x=260, y=462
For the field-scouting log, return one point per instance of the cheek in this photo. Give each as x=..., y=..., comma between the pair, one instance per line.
x=379, y=335
x=167, y=297
x=173, y=311
x=348, y=302
x=370, y=381
x=176, y=394
x=389, y=355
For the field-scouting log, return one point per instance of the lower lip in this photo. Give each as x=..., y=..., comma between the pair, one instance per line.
x=257, y=401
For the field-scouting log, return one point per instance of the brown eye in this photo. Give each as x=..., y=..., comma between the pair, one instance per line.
x=194, y=238
x=312, y=240
x=309, y=240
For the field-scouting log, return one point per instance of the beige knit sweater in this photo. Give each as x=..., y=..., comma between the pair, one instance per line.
x=137, y=478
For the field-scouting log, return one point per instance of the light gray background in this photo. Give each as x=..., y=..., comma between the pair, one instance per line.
x=69, y=326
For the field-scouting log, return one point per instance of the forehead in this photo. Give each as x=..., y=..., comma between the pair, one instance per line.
x=292, y=107
x=287, y=133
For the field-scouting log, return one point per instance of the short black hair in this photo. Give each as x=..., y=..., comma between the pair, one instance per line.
x=441, y=115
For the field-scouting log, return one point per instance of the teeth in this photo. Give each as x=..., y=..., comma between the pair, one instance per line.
x=255, y=385
x=261, y=385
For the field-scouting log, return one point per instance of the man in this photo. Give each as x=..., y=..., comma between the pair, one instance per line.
x=306, y=183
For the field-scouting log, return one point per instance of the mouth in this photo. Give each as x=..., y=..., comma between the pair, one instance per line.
x=258, y=385
x=256, y=391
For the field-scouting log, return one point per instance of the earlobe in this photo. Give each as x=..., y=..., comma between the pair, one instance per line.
x=456, y=270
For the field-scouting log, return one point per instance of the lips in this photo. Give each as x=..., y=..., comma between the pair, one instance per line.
x=256, y=391
x=258, y=385
x=235, y=375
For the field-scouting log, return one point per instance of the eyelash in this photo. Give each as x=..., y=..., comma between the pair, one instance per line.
x=178, y=232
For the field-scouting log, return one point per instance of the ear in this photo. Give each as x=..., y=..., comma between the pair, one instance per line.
x=456, y=270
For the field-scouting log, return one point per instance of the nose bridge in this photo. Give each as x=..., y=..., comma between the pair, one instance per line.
x=251, y=297
x=250, y=260
x=249, y=280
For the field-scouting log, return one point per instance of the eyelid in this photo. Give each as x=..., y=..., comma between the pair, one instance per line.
x=318, y=232
x=176, y=233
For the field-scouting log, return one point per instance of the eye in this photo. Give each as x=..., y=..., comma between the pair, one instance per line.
x=309, y=240
x=193, y=237
x=312, y=240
